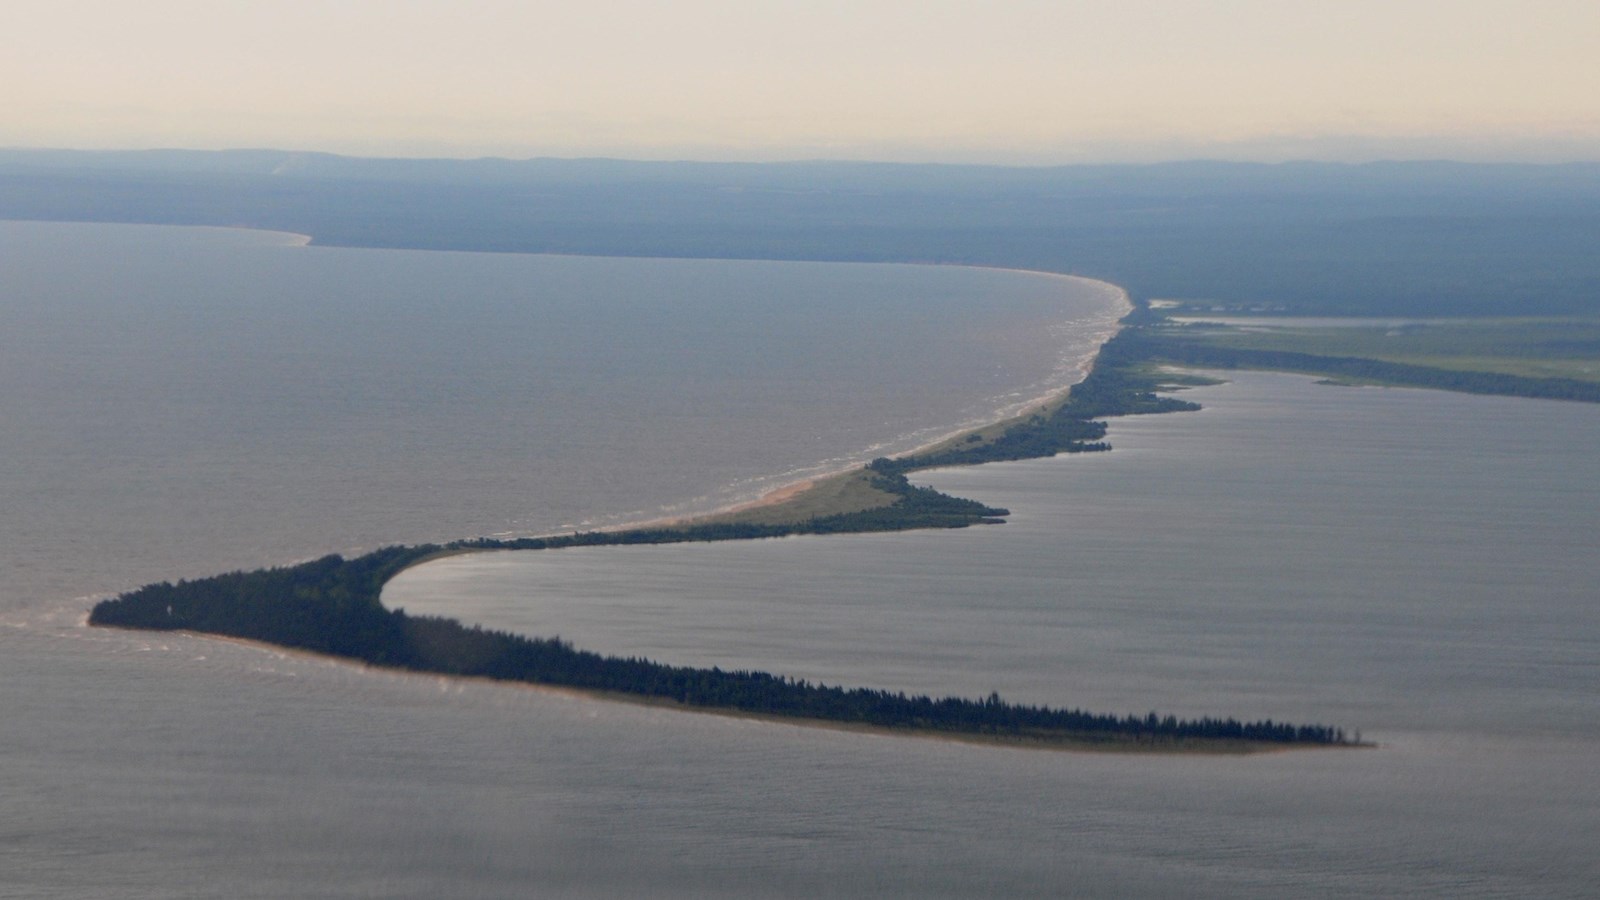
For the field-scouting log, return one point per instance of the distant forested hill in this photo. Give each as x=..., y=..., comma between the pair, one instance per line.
x=1385, y=238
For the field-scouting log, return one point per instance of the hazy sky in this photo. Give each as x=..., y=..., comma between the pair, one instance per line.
x=1011, y=82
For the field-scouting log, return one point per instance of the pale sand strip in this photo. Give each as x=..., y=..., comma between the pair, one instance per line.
x=807, y=498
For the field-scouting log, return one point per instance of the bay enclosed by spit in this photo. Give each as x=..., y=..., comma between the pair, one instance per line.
x=180, y=402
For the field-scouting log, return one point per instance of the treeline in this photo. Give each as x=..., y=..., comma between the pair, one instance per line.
x=1118, y=385
x=332, y=606
x=1169, y=345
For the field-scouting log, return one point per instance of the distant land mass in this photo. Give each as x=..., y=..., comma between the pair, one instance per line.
x=1403, y=238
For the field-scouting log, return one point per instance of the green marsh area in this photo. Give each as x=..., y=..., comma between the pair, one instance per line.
x=1554, y=358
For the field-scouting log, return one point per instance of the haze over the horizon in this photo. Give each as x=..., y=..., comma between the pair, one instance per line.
x=1010, y=82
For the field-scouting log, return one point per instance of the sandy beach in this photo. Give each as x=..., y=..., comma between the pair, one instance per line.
x=844, y=490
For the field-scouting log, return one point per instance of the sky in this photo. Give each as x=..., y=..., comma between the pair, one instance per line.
x=1020, y=83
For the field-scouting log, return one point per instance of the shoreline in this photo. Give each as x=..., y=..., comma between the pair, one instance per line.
x=796, y=493
x=1184, y=747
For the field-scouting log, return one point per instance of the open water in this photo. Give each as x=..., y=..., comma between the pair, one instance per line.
x=1414, y=564
x=179, y=402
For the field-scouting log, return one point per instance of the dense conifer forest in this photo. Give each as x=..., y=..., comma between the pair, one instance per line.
x=331, y=606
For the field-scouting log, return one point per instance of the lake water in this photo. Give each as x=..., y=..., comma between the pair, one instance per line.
x=180, y=402
x=1415, y=564
x=1418, y=565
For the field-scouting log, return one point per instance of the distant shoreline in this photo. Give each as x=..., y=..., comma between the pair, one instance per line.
x=797, y=493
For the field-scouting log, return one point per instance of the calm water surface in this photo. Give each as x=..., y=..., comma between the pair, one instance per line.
x=1415, y=564
x=180, y=402
x=183, y=401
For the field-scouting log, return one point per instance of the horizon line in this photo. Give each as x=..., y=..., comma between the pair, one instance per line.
x=1176, y=160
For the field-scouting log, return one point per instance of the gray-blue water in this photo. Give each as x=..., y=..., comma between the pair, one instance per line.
x=179, y=402
x=1418, y=565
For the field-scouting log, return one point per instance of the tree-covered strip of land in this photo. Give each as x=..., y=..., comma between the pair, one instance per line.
x=331, y=606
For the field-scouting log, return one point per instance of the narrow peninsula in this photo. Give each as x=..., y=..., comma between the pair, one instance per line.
x=1491, y=267
x=333, y=605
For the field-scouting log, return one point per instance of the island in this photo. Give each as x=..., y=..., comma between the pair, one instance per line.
x=333, y=606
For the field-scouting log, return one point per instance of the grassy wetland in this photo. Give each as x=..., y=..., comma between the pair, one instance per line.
x=1556, y=357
